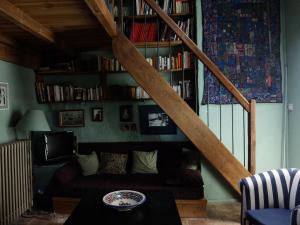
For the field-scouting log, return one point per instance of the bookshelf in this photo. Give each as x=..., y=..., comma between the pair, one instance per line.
x=160, y=46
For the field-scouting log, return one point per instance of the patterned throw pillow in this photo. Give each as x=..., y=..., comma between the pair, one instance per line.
x=113, y=163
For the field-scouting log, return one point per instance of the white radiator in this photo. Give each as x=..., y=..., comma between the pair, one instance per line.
x=15, y=180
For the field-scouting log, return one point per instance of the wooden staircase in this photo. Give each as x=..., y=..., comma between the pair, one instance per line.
x=161, y=92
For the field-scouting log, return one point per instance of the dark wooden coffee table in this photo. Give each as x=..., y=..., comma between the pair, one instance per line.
x=158, y=209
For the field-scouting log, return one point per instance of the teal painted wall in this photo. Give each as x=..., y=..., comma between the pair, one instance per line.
x=293, y=70
x=269, y=121
x=108, y=130
x=269, y=134
x=21, y=97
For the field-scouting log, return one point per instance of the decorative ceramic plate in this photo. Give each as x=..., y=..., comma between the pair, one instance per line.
x=124, y=200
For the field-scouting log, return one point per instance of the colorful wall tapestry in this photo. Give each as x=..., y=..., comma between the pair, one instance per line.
x=243, y=38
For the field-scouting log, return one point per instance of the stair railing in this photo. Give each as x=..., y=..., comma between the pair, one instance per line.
x=248, y=107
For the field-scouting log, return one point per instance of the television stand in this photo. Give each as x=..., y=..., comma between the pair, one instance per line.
x=41, y=178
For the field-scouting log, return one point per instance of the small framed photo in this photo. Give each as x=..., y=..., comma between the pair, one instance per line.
x=71, y=118
x=153, y=120
x=3, y=96
x=126, y=113
x=97, y=114
x=128, y=127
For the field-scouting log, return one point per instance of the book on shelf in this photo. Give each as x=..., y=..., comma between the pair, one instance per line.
x=183, y=89
x=168, y=6
x=111, y=65
x=142, y=8
x=90, y=64
x=183, y=6
x=175, y=62
x=141, y=32
x=186, y=25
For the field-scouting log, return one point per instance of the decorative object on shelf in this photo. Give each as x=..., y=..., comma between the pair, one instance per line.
x=128, y=127
x=71, y=118
x=126, y=113
x=124, y=200
x=97, y=114
x=33, y=120
x=244, y=41
x=153, y=120
x=3, y=96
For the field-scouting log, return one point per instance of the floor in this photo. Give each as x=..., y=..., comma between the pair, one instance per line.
x=218, y=214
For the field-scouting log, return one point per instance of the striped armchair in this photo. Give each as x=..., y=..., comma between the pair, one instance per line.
x=271, y=198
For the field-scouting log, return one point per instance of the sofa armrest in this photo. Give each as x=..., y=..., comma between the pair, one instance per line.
x=255, y=190
x=295, y=216
x=67, y=173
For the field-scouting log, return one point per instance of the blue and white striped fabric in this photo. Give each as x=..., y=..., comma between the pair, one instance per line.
x=266, y=190
x=295, y=216
x=295, y=190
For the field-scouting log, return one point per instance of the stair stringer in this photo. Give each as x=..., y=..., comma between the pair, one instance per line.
x=179, y=111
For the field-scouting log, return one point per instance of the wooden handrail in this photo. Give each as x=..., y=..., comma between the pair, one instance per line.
x=201, y=55
x=179, y=111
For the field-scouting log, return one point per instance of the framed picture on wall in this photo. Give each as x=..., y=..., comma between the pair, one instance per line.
x=97, y=114
x=71, y=118
x=153, y=120
x=3, y=96
x=126, y=113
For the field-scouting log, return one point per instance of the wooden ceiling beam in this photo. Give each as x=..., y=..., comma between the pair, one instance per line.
x=26, y=22
x=100, y=10
x=8, y=41
x=18, y=56
x=14, y=52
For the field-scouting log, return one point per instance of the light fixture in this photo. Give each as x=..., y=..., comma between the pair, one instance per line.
x=33, y=120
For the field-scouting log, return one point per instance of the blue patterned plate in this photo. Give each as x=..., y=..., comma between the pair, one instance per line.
x=124, y=200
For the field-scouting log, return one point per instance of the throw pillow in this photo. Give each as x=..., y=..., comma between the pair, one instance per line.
x=89, y=163
x=190, y=159
x=113, y=163
x=144, y=162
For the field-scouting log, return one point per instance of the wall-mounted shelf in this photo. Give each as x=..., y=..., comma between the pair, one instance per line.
x=155, y=44
x=149, y=17
x=172, y=70
x=66, y=73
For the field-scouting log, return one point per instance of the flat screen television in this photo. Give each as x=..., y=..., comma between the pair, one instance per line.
x=52, y=147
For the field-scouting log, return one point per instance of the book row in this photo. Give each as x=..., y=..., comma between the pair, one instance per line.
x=177, y=62
x=183, y=60
x=127, y=92
x=67, y=93
x=169, y=6
x=148, y=32
x=183, y=89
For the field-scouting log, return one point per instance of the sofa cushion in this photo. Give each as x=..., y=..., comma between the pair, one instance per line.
x=144, y=162
x=113, y=163
x=183, y=177
x=270, y=216
x=89, y=163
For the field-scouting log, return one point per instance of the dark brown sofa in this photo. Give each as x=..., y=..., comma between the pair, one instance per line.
x=173, y=174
